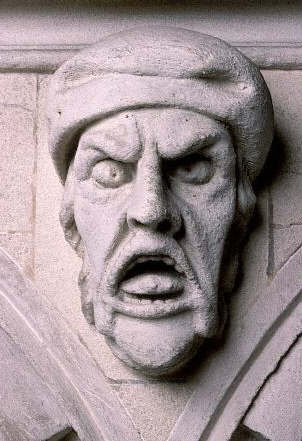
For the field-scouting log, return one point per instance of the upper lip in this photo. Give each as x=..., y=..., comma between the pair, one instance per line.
x=141, y=247
x=142, y=258
x=131, y=258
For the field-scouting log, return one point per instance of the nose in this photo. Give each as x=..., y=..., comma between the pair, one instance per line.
x=151, y=206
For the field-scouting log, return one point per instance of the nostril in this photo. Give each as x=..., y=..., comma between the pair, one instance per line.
x=179, y=234
x=164, y=226
x=134, y=223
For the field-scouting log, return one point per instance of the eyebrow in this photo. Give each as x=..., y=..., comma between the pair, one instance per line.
x=117, y=149
x=193, y=145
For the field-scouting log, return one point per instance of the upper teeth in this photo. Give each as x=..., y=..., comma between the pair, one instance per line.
x=140, y=259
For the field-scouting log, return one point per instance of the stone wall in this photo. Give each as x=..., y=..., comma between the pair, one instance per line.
x=30, y=194
x=30, y=230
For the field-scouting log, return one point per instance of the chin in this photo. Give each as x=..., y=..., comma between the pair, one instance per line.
x=157, y=347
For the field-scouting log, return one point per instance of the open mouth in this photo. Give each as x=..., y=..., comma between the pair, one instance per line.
x=149, y=279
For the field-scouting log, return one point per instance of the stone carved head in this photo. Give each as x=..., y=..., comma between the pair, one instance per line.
x=158, y=135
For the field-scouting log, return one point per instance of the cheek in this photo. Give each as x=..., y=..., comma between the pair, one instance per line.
x=213, y=206
x=208, y=216
x=99, y=220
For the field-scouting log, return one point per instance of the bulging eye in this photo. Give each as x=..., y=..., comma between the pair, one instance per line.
x=111, y=174
x=194, y=169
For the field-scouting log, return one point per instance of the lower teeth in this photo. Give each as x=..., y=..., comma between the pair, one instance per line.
x=144, y=301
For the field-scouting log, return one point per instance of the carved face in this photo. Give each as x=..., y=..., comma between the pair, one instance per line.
x=154, y=199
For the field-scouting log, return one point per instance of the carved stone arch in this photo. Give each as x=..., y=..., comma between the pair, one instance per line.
x=58, y=364
x=270, y=328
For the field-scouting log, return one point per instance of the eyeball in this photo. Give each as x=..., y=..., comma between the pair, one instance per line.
x=111, y=174
x=194, y=169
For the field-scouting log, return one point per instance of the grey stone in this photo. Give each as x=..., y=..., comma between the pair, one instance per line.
x=56, y=265
x=245, y=434
x=154, y=408
x=286, y=178
x=153, y=203
x=287, y=241
x=277, y=411
x=235, y=372
x=18, y=90
x=49, y=381
x=20, y=247
x=17, y=154
x=86, y=21
x=264, y=309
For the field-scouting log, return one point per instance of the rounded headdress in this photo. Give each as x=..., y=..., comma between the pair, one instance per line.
x=161, y=67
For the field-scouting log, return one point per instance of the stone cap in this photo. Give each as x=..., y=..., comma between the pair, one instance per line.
x=161, y=67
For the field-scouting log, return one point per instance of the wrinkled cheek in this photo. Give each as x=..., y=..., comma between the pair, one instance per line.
x=207, y=225
x=99, y=227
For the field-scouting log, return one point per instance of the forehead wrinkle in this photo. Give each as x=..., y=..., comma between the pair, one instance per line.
x=139, y=135
x=149, y=142
x=190, y=145
x=120, y=142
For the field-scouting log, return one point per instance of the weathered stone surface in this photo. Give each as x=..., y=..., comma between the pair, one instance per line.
x=277, y=411
x=154, y=408
x=17, y=152
x=245, y=434
x=17, y=165
x=158, y=184
x=28, y=407
x=18, y=90
x=20, y=247
x=66, y=22
x=285, y=170
x=287, y=240
x=56, y=265
x=38, y=344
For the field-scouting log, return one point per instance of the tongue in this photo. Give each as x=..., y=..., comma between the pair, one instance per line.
x=152, y=284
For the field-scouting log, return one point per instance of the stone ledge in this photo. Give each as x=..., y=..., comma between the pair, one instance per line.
x=47, y=58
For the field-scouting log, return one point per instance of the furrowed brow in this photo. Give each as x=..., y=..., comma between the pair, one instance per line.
x=192, y=145
x=112, y=144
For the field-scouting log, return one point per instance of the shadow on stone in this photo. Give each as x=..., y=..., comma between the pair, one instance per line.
x=66, y=435
x=244, y=434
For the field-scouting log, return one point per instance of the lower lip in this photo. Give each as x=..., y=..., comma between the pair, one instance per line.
x=153, y=309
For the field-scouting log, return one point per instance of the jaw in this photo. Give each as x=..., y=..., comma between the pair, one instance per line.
x=159, y=330
x=155, y=347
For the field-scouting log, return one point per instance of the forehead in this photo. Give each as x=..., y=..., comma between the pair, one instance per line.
x=172, y=131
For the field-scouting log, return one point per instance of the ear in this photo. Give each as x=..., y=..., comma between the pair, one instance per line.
x=67, y=214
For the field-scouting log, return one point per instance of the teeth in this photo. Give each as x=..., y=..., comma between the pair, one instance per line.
x=178, y=268
x=128, y=298
x=168, y=261
x=141, y=259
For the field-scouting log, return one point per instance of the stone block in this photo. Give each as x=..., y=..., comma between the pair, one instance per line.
x=285, y=88
x=284, y=168
x=20, y=247
x=286, y=242
x=17, y=152
x=276, y=413
x=56, y=264
x=245, y=434
x=18, y=89
x=255, y=264
x=154, y=408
